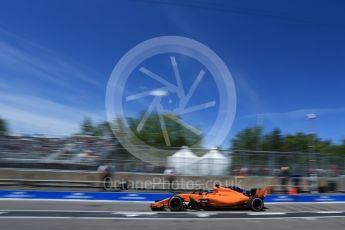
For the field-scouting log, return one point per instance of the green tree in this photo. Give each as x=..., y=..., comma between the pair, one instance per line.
x=152, y=133
x=87, y=127
x=341, y=147
x=273, y=141
x=298, y=142
x=328, y=147
x=103, y=129
x=295, y=150
x=248, y=139
x=3, y=127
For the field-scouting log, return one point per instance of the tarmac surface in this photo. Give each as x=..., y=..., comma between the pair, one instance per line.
x=54, y=215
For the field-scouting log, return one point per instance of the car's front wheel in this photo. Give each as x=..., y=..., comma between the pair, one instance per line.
x=176, y=204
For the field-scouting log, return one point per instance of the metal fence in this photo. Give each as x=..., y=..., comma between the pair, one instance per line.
x=251, y=163
x=294, y=163
x=239, y=163
x=88, y=153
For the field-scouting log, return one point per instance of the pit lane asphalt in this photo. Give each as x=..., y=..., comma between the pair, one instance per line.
x=53, y=215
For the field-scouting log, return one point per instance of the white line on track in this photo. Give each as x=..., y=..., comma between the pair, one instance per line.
x=37, y=217
x=301, y=202
x=203, y=215
x=209, y=213
x=51, y=210
x=329, y=212
x=265, y=213
x=129, y=214
x=173, y=219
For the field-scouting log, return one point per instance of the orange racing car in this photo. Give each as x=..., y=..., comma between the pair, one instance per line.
x=218, y=198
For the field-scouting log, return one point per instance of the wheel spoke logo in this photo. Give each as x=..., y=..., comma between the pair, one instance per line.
x=176, y=49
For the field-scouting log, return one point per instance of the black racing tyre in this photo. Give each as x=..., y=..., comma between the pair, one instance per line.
x=176, y=204
x=256, y=204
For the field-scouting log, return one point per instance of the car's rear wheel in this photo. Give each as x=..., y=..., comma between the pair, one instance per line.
x=256, y=204
x=176, y=204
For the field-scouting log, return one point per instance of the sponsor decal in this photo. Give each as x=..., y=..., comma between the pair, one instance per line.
x=78, y=195
x=132, y=196
x=18, y=194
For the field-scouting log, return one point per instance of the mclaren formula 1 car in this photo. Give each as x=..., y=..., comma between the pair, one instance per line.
x=218, y=198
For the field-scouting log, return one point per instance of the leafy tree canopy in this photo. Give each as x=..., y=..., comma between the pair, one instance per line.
x=254, y=139
x=3, y=127
x=152, y=132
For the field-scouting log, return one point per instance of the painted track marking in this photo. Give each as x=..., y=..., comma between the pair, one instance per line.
x=265, y=213
x=184, y=219
x=329, y=212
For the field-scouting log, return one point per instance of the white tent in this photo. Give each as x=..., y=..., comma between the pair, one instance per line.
x=213, y=163
x=184, y=162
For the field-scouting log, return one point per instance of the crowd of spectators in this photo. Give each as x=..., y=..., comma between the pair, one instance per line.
x=40, y=149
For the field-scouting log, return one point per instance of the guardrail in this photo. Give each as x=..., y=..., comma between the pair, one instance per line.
x=145, y=181
x=121, y=185
x=51, y=183
x=109, y=186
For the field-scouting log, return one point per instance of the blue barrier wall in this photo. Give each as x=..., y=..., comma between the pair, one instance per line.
x=111, y=196
x=305, y=198
x=146, y=197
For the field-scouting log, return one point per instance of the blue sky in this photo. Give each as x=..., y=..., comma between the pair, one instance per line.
x=287, y=58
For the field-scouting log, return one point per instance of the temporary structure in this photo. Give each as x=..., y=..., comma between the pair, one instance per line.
x=213, y=163
x=184, y=162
